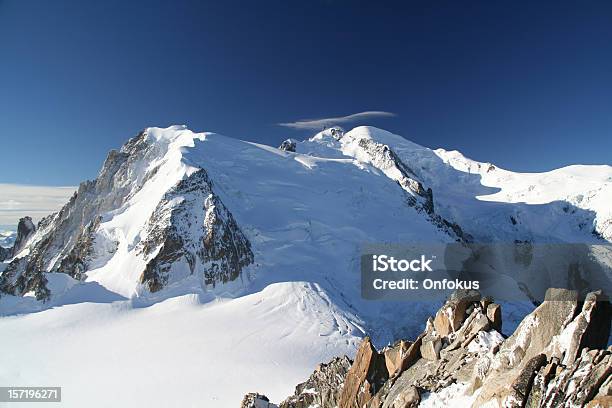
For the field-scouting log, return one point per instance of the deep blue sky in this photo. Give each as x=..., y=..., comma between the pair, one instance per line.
x=527, y=86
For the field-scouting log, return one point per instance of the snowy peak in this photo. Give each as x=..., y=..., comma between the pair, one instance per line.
x=381, y=136
x=362, y=144
x=147, y=220
x=372, y=146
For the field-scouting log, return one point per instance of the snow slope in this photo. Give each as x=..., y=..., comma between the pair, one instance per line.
x=305, y=215
x=581, y=192
x=177, y=352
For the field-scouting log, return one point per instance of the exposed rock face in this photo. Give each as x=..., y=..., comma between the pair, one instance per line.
x=555, y=358
x=399, y=357
x=409, y=397
x=450, y=317
x=430, y=347
x=531, y=338
x=218, y=248
x=4, y=253
x=288, y=145
x=25, y=230
x=520, y=388
x=494, y=315
x=323, y=388
x=446, y=356
x=365, y=377
x=76, y=261
x=573, y=385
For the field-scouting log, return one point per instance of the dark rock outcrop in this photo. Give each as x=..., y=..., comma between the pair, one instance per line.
x=5, y=253
x=76, y=261
x=574, y=385
x=337, y=132
x=25, y=230
x=288, y=145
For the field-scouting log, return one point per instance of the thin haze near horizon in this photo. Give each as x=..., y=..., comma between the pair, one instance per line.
x=525, y=86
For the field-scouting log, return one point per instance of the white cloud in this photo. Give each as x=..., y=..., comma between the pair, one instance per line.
x=320, y=123
x=17, y=201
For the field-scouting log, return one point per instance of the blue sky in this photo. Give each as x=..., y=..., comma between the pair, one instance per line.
x=527, y=86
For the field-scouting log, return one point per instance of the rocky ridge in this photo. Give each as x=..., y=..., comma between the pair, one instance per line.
x=557, y=357
x=25, y=230
x=383, y=157
x=219, y=249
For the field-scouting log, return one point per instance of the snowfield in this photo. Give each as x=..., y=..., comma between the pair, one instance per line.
x=178, y=352
x=108, y=341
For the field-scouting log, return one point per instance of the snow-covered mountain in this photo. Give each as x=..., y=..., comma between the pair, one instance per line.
x=7, y=240
x=249, y=255
x=7, y=236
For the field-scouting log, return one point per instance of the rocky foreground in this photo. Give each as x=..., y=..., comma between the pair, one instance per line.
x=557, y=357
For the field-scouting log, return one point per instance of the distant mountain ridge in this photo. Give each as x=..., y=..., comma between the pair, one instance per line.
x=7, y=235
